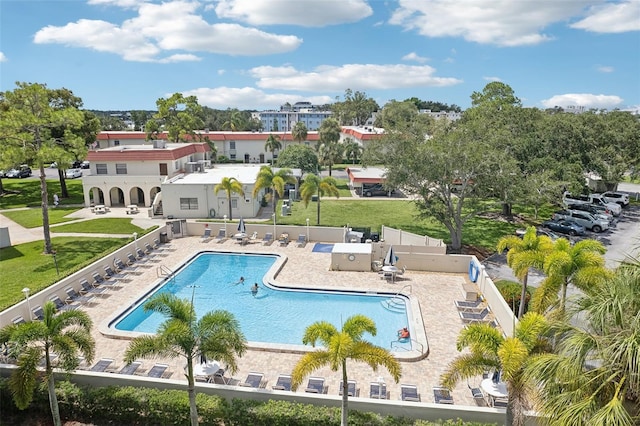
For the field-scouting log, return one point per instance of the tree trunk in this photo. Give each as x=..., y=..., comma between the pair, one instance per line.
x=456, y=240
x=64, y=193
x=523, y=295
x=229, y=202
x=318, y=215
x=191, y=390
x=506, y=209
x=53, y=401
x=345, y=395
x=45, y=211
x=1, y=187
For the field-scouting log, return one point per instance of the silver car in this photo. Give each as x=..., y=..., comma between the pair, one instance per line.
x=583, y=218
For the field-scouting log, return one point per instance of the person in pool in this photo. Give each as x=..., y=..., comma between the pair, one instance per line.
x=403, y=333
x=240, y=281
x=254, y=289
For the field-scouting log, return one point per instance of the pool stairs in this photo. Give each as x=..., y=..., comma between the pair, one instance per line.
x=397, y=303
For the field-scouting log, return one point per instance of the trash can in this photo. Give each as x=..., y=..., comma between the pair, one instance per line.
x=375, y=237
x=164, y=238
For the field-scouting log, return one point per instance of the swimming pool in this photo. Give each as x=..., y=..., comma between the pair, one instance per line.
x=274, y=315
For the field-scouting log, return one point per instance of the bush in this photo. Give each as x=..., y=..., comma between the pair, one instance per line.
x=511, y=292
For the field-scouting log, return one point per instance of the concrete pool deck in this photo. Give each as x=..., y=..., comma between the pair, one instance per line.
x=434, y=292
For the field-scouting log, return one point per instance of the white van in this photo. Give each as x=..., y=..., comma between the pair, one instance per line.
x=596, y=199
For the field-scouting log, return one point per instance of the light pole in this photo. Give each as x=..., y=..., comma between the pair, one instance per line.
x=380, y=385
x=225, y=225
x=26, y=291
x=307, y=229
x=274, y=225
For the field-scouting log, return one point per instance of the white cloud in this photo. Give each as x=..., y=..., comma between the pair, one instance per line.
x=413, y=56
x=249, y=98
x=355, y=76
x=167, y=26
x=499, y=22
x=185, y=57
x=612, y=18
x=125, y=4
x=487, y=78
x=587, y=100
x=307, y=13
x=605, y=69
x=221, y=72
x=3, y=58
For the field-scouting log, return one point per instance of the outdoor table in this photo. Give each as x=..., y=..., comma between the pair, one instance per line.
x=132, y=208
x=493, y=389
x=206, y=369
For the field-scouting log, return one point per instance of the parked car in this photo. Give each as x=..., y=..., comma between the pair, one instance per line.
x=582, y=218
x=564, y=227
x=73, y=173
x=84, y=165
x=539, y=232
x=597, y=199
x=616, y=197
x=23, y=172
x=376, y=189
x=600, y=212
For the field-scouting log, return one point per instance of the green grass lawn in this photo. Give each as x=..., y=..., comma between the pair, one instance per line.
x=24, y=265
x=101, y=226
x=32, y=218
x=26, y=193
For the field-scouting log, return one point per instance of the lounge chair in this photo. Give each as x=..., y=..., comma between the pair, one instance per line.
x=142, y=255
x=219, y=377
x=478, y=396
x=500, y=402
x=87, y=288
x=409, y=393
x=158, y=371
x=222, y=236
x=99, y=280
x=442, y=396
x=74, y=296
x=253, y=380
x=378, y=390
x=38, y=313
x=284, y=239
x=18, y=320
x=469, y=306
x=110, y=273
x=131, y=259
x=60, y=305
x=102, y=365
x=130, y=369
x=302, y=241
x=316, y=385
x=268, y=239
x=121, y=266
x=351, y=388
x=283, y=383
x=474, y=317
x=253, y=237
x=206, y=237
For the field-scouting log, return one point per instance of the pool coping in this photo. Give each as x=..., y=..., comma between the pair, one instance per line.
x=414, y=314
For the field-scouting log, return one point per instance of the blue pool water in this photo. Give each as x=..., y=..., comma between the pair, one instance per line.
x=273, y=315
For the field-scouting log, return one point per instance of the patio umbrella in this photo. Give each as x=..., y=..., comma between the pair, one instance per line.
x=390, y=258
x=241, y=227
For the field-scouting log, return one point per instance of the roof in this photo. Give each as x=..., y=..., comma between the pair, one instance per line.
x=213, y=136
x=367, y=174
x=363, y=133
x=172, y=151
x=244, y=173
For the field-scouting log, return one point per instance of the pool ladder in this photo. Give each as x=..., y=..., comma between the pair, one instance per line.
x=165, y=272
x=396, y=303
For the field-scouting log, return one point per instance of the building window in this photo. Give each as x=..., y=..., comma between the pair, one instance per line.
x=101, y=169
x=234, y=203
x=116, y=143
x=121, y=169
x=188, y=204
x=232, y=144
x=232, y=156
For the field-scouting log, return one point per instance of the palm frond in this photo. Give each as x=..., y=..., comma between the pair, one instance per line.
x=319, y=331
x=376, y=356
x=309, y=362
x=466, y=366
x=356, y=325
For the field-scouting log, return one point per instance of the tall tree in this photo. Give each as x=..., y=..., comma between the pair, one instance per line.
x=66, y=334
x=30, y=114
x=216, y=335
x=356, y=108
x=329, y=131
x=235, y=122
x=525, y=253
x=593, y=376
x=340, y=346
x=486, y=349
x=314, y=185
x=330, y=153
x=581, y=265
x=229, y=185
x=301, y=157
x=178, y=115
x=272, y=144
x=352, y=150
x=299, y=132
x=139, y=118
x=274, y=181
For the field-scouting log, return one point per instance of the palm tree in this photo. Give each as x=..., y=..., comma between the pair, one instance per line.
x=338, y=347
x=66, y=333
x=267, y=179
x=593, y=376
x=216, y=335
x=352, y=150
x=329, y=154
x=486, y=349
x=299, y=132
x=229, y=185
x=524, y=253
x=581, y=265
x=235, y=121
x=313, y=185
x=272, y=144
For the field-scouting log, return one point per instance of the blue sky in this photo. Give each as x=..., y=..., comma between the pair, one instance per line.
x=259, y=54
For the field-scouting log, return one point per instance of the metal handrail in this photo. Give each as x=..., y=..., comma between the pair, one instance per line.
x=163, y=271
x=410, y=340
